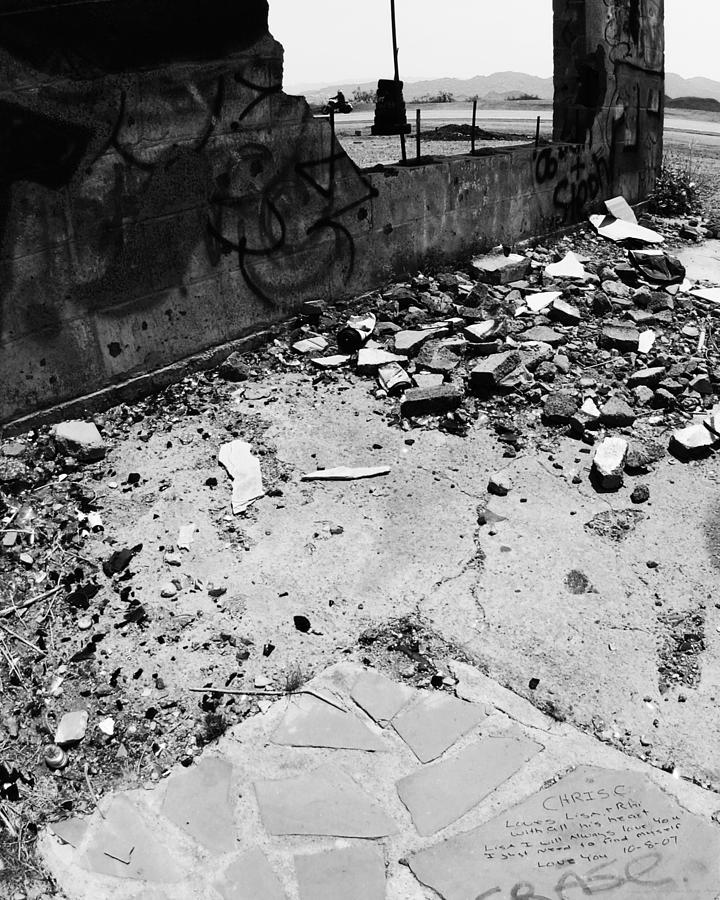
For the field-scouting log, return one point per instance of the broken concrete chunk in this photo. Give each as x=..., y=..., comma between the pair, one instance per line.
x=72, y=728
x=559, y=408
x=198, y=801
x=330, y=362
x=565, y=313
x=544, y=335
x=481, y=332
x=587, y=417
x=608, y=464
x=491, y=371
x=617, y=413
x=499, y=484
x=430, y=401
x=380, y=697
x=346, y=873
x=310, y=722
x=316, y=343
x=234, y=368
x=438, y=358
x=568, y=267
x=538, y=302
x=695, y=439
x=393, y=379
x=500, y=269
x=428, y=379
x=79, y=439
x=438, y=795
x=370, y=360
x=619, y=208
x=409, y=342
x=646, y=341
x=618, y=230
x=347, y=473
x=244, y=469
x=250, y=877
x=620, y=337
x=648, y=377
x=325, y=801
x=434, y=722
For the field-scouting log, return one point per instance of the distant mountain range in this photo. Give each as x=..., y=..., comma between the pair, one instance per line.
x=498, y=86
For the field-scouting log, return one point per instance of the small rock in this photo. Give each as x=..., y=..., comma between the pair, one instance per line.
x=234, y=368
x=620, y=337
x=607, y=466
x=79, y=439
x=649, y=377
x=641, y=494
x=499, y=484
x=559, y=408
x=693, y=439
x=643, y=395
x=72, y=728
x=617, y=413
x=168, y=590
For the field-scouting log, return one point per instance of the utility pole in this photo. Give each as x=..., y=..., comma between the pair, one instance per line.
x=396, y=52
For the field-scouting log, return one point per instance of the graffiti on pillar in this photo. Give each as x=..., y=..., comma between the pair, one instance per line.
x=576, y=175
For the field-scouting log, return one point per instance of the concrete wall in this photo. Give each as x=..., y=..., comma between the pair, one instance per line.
x=160, y=195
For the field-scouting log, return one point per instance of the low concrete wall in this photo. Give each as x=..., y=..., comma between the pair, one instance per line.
x=153, y=210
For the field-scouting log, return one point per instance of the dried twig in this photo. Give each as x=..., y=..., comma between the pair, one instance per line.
x=10, y=610
x=211, y=690
x=22, y=640
x=86, y=773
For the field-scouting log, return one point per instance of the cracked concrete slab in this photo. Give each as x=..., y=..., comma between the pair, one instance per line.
x=434, y=722
x=310, y=722
x=250, y=877
x=198, y=801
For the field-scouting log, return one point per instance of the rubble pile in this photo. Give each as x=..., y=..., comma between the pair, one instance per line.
x=599, y=337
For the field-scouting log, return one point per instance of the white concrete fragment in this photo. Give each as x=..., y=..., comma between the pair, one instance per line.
x=107, y=726
x=82, y=439
x=619, y=208
x=695, y=437
x=711, y=295
x=346, y=473
x=316, y=343
x=617, y=230
x=568, y=267
x=72, y=727
x=538, y=302
x=244, y=469
x=370, y=361
x=185, y=537
x=607, y=467
x=646, y=341
x=330, y=362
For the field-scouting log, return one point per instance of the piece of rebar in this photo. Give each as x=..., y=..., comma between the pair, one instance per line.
x=417, y=133
x=537, y=133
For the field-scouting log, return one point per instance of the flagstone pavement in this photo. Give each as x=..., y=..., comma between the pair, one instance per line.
x=362, y=788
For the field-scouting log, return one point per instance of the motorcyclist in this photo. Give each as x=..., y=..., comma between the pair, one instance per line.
x=339, y=104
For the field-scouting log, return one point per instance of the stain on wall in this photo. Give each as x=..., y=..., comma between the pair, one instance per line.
x=161, y=195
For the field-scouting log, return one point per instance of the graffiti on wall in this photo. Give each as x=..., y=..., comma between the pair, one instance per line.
x=278, y=208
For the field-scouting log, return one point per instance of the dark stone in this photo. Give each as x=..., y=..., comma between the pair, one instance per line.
x=559, y=408
x=641, y=494
x=617, y=413
x=234, y=368
x=490, y=372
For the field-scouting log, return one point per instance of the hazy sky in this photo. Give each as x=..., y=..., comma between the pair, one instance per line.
x=332, y=41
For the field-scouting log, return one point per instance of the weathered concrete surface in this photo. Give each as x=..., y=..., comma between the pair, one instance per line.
x=410, y=546
x=164, y=197
x=629, y=800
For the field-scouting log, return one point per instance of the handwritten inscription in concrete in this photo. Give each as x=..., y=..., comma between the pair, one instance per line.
x=594, y=832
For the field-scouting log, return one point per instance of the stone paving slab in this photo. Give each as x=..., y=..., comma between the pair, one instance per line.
x=535, y=820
